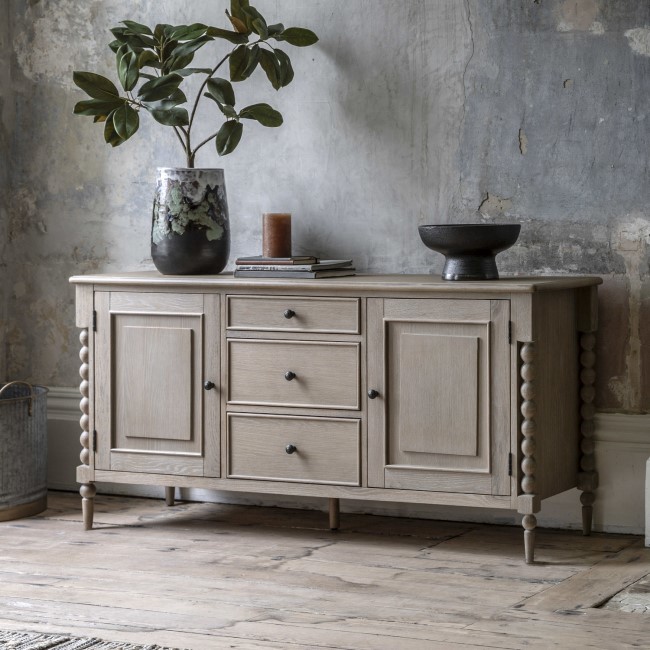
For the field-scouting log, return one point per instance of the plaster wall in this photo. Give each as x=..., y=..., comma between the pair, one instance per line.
x=405, y=113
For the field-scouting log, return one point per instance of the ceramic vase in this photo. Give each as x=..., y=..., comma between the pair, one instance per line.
x=190, y=232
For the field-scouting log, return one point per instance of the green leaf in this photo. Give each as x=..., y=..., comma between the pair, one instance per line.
x=95, y=85
x=190, y=47
x=286, y=75
x=171, y=116
x=128, y=70
x=186, y=72
x=188, y=32
x=159, y=31
x=148, y=58
x=237, y=8
x=94, y=107
x=221, y=90
x=228, y=110
x=228, y=137
x=125, y=35
x=263, y=113
x=160, y=88
x=275, y=29
x=126, y=121
x=244, y=63
x=233, y=37
x=176, y=98
x=297, y=36
x=271, y=66
x=259, y=27
x=110, y=134
x=137, y=28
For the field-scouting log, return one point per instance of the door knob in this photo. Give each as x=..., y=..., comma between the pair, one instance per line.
x=291, y=449
x=208, y=385
x=289, y=313
x=372, y=393
x=289, y=375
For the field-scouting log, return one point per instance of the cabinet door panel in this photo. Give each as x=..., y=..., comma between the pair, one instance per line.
x=153, y=353
x=442, y=371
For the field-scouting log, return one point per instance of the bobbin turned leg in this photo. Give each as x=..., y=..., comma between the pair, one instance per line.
x=528, y=503
x=335, y=514
x=169, y=496
x=88, y=492
x=588, y=477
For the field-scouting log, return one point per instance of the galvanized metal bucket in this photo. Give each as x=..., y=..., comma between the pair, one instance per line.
x=23, y=450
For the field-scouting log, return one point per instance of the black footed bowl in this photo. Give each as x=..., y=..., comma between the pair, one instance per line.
x=470, y=248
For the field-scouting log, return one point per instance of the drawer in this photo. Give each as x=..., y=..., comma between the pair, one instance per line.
x=322, y=374
x=286, y=313
x=327, y=450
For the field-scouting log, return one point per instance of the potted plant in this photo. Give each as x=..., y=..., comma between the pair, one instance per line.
x=190, y=226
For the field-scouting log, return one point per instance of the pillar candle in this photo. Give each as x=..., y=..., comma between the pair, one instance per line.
x=276, y=234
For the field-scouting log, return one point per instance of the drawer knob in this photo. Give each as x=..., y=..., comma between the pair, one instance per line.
x=291, y=449
x=289, y=313
x=289, y=375
x=208, y=385
x=372, y=393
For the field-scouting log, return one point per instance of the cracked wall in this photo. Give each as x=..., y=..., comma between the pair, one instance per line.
x=421, y=111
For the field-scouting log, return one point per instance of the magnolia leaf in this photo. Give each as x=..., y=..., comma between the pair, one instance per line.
x=237, y=8
x=238, y=62
x=228, y=137
x=186, y=72
x=160, y=88
x=221, y=90
x=233, y=37
x=99, y=118
x=297, y=36
x=126, y=121
x=95, y=85
x=271, y=66
x=190, y=47
x=176, y=98
x=239, y=25
x=171, y=116
x=275, y=29
x=286, y=75
x=137, y=28
x=110, y=134
x=263, y=113
x=95, y=107
x=128, y=70
x=188, y=32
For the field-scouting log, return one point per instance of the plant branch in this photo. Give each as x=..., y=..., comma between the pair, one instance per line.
x=212, y=137
x=203, y=85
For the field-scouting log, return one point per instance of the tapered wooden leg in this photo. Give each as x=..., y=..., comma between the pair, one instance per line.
x=528, y=503
x=88, y=492
x=170, y=493
x=588, y=477
x=335, y=518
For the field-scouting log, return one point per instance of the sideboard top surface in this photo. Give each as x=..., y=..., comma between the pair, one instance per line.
x=359, y=282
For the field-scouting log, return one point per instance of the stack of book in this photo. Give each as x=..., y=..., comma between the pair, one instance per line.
x=291, y=267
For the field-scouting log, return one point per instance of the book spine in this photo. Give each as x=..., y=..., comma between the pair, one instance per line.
x=290, y=268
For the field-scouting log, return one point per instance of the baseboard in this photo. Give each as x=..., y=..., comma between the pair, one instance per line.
x=622, y=449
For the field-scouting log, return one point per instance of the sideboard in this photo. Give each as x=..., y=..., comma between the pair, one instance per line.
x=401, y=388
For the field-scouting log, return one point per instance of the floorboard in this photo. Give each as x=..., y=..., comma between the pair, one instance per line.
x=211, y=576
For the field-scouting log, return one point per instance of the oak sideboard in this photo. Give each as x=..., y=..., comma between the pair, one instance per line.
x=401, y=388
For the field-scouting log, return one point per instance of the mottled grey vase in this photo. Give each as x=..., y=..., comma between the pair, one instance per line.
x=190, y=231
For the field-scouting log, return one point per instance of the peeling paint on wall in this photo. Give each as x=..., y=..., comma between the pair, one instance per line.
x=639, y=40
x=580, y=15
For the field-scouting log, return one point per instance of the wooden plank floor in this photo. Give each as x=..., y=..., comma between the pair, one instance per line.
x=216, y=576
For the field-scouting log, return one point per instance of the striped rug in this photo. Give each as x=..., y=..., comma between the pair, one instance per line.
x=38, y=641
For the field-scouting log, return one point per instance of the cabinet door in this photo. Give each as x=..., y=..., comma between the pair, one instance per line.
x=153, y=353
x=441, y=421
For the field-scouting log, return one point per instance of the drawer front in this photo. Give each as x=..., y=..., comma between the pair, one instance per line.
x=322, y=375
x=327, y=450
x=278, y=314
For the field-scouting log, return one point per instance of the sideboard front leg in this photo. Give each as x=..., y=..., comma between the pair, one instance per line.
x=528, y=503
x=335, y=514
x=88, y=492
x=588, y=476
x=170, y=493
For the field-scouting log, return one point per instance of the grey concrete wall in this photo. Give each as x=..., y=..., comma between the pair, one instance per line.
x=409, y=112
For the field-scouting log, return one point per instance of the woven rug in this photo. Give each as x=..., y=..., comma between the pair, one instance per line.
x=38, y=641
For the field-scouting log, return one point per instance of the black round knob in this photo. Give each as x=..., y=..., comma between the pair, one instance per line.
x=289, y=375
x=208, y=385
x=289, y=313
x=372, y=393
x=291, y=449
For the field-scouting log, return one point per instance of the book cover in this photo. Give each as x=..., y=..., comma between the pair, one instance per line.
x=279, y=261
x=331, y=273
x=319, y=266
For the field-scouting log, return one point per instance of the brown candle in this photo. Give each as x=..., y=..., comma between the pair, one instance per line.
x=276, y=234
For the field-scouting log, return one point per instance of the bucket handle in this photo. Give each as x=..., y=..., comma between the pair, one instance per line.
x=31, y=393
